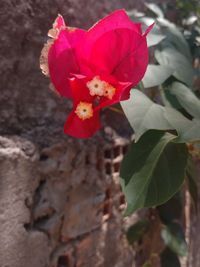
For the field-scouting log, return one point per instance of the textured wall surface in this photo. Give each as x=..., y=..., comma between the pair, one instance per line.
x=56, y=205
x=60, y=198
x=27, y=107
x=60, y=206
x=18, y=178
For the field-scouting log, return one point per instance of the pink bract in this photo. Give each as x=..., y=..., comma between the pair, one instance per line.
x=112, y=57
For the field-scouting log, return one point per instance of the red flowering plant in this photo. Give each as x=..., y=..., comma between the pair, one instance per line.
x=95, y=68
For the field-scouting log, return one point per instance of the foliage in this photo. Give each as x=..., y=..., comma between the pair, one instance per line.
x=148, y=175
x=153, y=170
x=165, y=123
x=136, y=231
x=188, y=6
x=173, y=237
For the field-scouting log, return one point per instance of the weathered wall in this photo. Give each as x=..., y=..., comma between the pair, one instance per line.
x=61, y=208
x=18, y=179
x=60, y=202
x=27, y=107
x=56, y=199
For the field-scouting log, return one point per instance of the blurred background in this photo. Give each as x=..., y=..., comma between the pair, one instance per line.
x=61, y=202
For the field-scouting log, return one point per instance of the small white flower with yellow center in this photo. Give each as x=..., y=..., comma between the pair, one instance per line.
x=109, y=91
x=96, y=86
x=84, y=110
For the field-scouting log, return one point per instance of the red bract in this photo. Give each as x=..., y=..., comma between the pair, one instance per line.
x=95, y=68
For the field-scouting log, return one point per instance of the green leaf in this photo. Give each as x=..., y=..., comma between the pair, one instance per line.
x=186, y=98
x=173, y=237
x=170, y=57
x=169, y=259
x=155, y=9
x=147, y=21
x=143, y=114
x=136, y=231
x=168, y=98
x=154, y=39
x=156, y=75
x=191, y=132
x=188, y=130
x=153, y=170
x=190, y=20
x=175, y=37
x=134, y=14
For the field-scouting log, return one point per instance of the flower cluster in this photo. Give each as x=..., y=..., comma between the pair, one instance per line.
x=95, y=68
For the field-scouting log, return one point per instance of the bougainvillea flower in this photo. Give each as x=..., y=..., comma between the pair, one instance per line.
x=95, y=68
x=84, y=120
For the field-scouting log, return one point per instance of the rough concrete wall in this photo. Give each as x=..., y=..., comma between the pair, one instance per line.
x=79, y=205
x=60, y=203
x=55, y=201
x=18, y=178
x=60, y=206
x=27, y=107
x=63, y=207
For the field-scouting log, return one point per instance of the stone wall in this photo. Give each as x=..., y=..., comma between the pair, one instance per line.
x=61, y=204
x=19, y=178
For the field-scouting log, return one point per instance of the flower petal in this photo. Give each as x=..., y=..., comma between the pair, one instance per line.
x=115, y=46
x=59, y=22
x=122, y=53
x=79, y=128
x=58, y=25
x=111, y=41
x=122, y=93
x=79, y=89
x=149, y=29
x=116, y=20
x=133, y=63
x=62, y=59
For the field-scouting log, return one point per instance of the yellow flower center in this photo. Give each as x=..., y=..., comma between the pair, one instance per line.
x=96, y=86
x=100, y=88
x=84, y=110
x=109, y=91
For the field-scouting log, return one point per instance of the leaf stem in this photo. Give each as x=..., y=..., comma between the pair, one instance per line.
x=116, y=110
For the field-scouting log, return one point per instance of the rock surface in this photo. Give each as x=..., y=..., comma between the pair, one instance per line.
x=60, y=198
x=27, y=107
x=53, y=193
x=18, y=177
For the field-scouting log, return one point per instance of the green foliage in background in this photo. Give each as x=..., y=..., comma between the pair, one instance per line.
x=186, y=6
x=148, y=175
x=164, y=112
